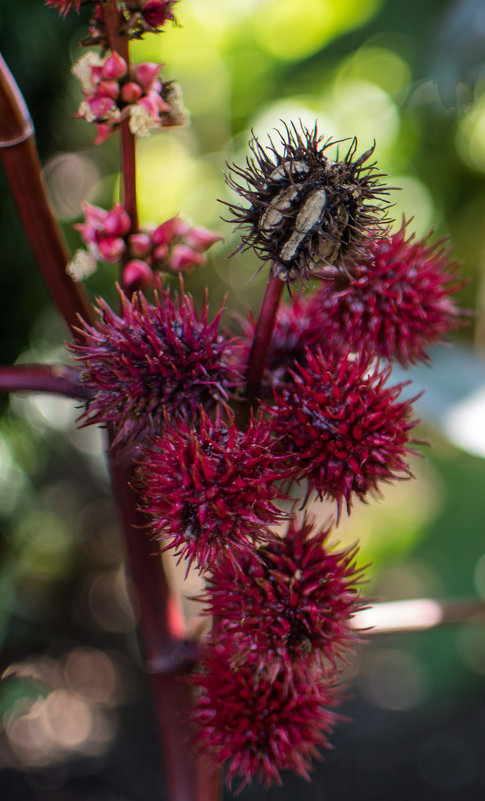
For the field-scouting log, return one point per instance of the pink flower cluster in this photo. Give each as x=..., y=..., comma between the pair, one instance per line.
x=175, y=246
x=113, y=93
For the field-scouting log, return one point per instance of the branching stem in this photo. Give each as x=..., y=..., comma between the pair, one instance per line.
x=53, y=378
x=262, y=335
x=167, y=654
x=119, y=43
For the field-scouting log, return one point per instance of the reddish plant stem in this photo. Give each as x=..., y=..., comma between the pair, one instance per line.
x=53, y=378
x=167, y=655
x=262, y=335
x=22, y=166
x=160, y=618
x=188, y=775
x=119, y=43
x=128, y=156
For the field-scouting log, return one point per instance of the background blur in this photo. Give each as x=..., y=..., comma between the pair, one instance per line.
x=75, y=721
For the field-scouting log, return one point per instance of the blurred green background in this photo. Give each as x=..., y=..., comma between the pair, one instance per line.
x=409, y=76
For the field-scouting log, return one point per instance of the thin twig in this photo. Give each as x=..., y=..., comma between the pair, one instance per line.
x=119, y=43
x=418, y=614
x=262, y=335
x=54, y=378
x=166, y=652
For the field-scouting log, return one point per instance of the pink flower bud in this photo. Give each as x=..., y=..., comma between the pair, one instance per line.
x=201, y=238
x=183, y=258
x=146, y=73
x=175, y=227
x=94, y=215
x=96, y=74
x=109, y=89
x=158, y=100
x=100, y=106
x=103, y=132
x=111, y=248
x=131, y=92
x=88, y=233
x=151, y=105
x=136, y=273
x=115, y=66
x=140, y=244
x=117, y=222
x=161, y=252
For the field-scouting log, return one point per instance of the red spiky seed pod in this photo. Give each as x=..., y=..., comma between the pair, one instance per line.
x=291, y=601
x=305, y=209
x=396, y=304
x=256, y=725
x=344, y=431
x=151, y=362
x=210, y=490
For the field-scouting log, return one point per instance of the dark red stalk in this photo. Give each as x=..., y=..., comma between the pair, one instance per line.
x=159, y=615
x=21, y=162
x=53, y=378
x=119, y=43
x=128, y=150
x=167, y=655
x=263, y=334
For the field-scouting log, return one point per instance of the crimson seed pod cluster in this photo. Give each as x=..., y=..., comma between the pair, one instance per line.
x=224, y=429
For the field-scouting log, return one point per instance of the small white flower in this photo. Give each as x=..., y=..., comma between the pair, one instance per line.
x=141, y=121
x=84, y=111
x=178, y=114
x=113, y=113
x=82, y=69
x=81, y=266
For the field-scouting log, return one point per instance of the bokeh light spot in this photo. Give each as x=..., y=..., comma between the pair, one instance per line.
x=66, y=719
x=470, y=136
x=71, y=179
x=379, y=66
x=362, y=109
x=91, y=675
x=290, y=30
x=412, y=199
x=169, y=176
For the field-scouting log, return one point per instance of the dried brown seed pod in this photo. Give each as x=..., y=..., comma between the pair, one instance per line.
x=307, y=211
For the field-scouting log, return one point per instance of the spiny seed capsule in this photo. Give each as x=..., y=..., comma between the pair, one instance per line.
x=305, y=210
